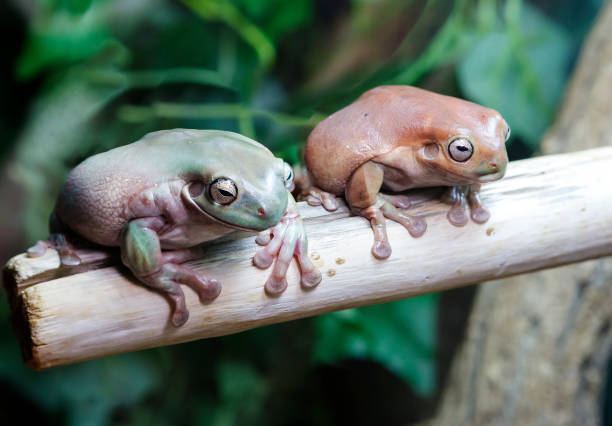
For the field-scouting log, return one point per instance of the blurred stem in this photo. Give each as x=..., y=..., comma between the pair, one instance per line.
x=152, y=78
x=228, y=13
x=245, y=124
x=512, y=12
x=226, y=65
x=486, y=15
x=442, y=48
x=135, y=114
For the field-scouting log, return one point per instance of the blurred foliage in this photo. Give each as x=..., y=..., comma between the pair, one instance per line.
x=100, y=73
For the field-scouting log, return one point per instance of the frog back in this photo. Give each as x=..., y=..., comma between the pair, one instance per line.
x=380, y=120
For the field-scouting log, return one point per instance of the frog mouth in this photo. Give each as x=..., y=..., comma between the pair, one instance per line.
x=491, y=177
x=224, y=223
x=221, y=221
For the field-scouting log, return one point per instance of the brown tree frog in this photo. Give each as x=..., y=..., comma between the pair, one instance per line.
x=400, y=137
x=160, y=197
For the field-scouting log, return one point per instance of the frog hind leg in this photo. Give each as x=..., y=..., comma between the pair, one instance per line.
x=57, y=240
x=141, y=253
x=461, y=198
x=315, y=196
x=362, y=194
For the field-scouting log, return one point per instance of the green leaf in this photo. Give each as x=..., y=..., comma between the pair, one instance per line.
x=520, y=71
x=278, y=17
x=400, y=335
x=76, y=7
x=63, y=38
x=220, y=10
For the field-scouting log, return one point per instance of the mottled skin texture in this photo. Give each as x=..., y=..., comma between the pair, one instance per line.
x=399, y=137
x=162, y=196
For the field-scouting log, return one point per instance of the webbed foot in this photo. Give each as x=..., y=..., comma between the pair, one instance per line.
x=282, y=242
x=462, y=198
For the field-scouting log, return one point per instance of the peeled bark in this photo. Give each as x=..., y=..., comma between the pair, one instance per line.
x=538, y=345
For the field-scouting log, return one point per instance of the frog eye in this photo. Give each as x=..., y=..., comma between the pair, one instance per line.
x=460, y=150
x=507, y=133
x=223, y=191
x=288, y=176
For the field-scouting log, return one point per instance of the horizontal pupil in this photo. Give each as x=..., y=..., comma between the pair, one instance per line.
x=463, y=148
x=226, y=193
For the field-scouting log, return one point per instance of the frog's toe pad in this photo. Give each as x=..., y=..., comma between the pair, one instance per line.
x=381, y=249
x=457, y=216
x=70, y=259
x=330, y=203
x=313, y=201
x=179, y=317
x=480, y=215
x=263, y=259
x=275, y=287
x=310, y=279
x=417, y=226
x=37, y=250
x=210, y=291
x=263, y=238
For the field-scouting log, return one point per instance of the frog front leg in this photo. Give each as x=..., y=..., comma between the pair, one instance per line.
x=362, y=194
x=461, y=198
x=284, y=241
x=141, y=253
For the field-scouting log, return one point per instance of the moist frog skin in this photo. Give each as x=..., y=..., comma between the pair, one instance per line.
x=159, y=198
x=395, y=138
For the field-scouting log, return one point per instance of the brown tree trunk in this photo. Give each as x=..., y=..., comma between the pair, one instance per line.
x=537, y=345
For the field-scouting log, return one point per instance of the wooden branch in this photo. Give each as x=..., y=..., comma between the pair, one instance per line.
x=548, y=211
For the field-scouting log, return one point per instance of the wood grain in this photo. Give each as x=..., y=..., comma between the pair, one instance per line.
x=548, y=211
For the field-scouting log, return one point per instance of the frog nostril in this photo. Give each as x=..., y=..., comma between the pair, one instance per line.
x=261, y=211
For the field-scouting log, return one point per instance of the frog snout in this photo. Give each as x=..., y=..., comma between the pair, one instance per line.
x=269, y=213
x=492, y=171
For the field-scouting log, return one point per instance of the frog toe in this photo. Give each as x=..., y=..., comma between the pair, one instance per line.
x=209, y=290
x=263, y=238
x=417, y=226
x=70, y=259
x=317, y=197
x=457, y=216
x=179, y=317
x=313, y=201
x=381, y=249
x=263, y=259
x=39, y=249
x=275, y=286
x=480, y=215
x=311, y=279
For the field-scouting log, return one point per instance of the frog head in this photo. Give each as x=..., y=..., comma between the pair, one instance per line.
x=239, y=183
x=466, y=143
